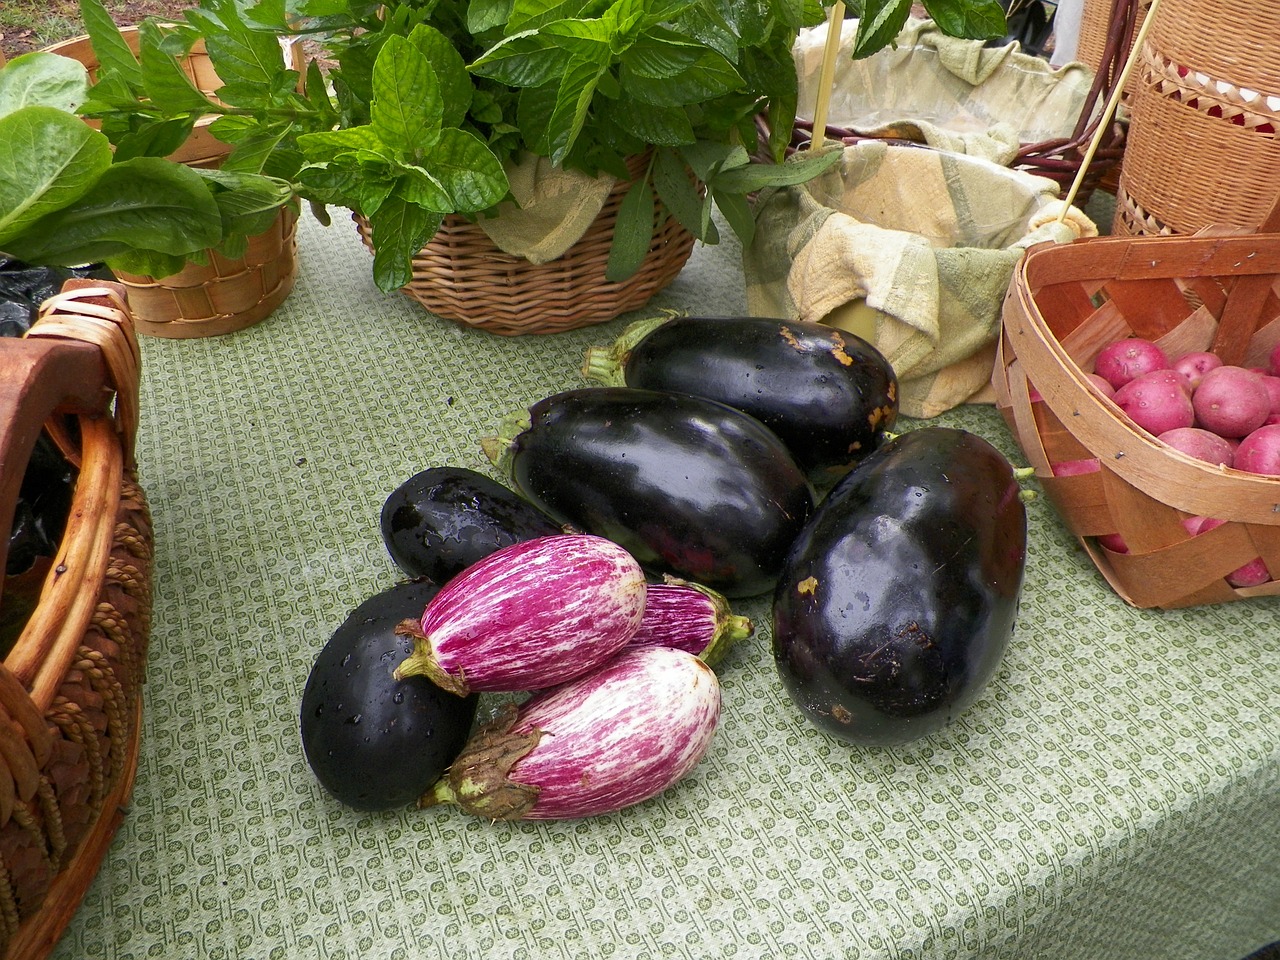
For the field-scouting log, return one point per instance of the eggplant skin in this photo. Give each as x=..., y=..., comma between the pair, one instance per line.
x=374, y=742
x=689, y=486
x=443, y=519
x=829, y=395
x=898, y=599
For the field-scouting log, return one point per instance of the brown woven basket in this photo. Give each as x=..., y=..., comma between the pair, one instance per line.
x=226, y=293
x=461, y=274
x=1188, y=293
x=1204, y=136
x=70, y=688
x=1059, y=159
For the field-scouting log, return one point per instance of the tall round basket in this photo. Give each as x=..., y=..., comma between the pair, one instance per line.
x=1204, y=134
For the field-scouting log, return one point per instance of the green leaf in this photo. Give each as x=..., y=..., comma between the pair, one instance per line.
x=879, y=26
x=676, y=191
x=632, y=232
x=400, y=229
x=407, y=110
x=468, y=171
x=975, y=19
x=240, y=53
x=531, y=14
x=660, y=126
x=155, y=138
x=803, y=166
x=143, y=204
x=43, y=79
x=329, y=145
x=709, y=77
x=50, y=159
x=109, y=45
x=168, y=87
x=573, y=100
x=483, y=15
x=524, y=60
x=737, y=213
x=451, y=72
x=660, y=55
x=420, y=187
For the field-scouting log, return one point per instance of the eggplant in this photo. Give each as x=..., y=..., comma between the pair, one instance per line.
x=372, y=741
x=898, y=599
x=442, y=520
x=529, y=616
x=690, y=617
x=828, y=395
x=613, y=738
x=691, y=487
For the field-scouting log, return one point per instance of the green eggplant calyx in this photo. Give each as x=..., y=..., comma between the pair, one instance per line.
x=730, y=627
x=608, y=364
x=501, y=448
x=478, y=780
x=422, y=662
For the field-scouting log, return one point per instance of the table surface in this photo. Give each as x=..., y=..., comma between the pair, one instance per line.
x=1112, y=794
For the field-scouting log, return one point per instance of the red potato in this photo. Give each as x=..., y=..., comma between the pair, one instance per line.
x=1252, y=574
x=1156, y=401
x=1124, y=360
x=1273, y=391
x=1102, y=383
x=1199, y=443
x=1273, y=362
x=1195, y=365
x=1113, y=542
x=1259, y=452
x=1231, y=401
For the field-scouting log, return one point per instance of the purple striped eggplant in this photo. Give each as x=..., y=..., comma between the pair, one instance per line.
x=529, y=616
x=690, y=617
x=613, y=738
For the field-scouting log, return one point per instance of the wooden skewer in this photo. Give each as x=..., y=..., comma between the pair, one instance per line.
x=1109, y=111
x=826, y=81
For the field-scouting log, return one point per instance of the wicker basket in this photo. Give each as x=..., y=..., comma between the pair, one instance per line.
x=461, y=275
x=226, y=293
x=70, y=687
x=1058, y=159
x=1204, y=138
x=1188, y=293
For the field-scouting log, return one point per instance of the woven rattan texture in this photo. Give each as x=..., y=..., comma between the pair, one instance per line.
x=461, y=275
x=1064, y=305
x=1204, y=140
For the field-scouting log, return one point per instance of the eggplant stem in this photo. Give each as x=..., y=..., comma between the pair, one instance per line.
x=607, y=365
x=422, y=662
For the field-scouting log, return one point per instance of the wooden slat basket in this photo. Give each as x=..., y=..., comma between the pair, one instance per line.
x=461, y=274
x=70, y=687
x=1064, y=304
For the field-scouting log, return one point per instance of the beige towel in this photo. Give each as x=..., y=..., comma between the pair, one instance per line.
x=550, y=211
x=913, y=250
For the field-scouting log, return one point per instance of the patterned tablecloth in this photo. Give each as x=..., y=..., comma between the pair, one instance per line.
x=1115, y=793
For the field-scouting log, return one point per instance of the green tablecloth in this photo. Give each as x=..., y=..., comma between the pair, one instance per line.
x=1113, y=794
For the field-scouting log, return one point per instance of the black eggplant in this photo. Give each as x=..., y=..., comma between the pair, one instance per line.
x=372, y=741
x=898, y=599
x=443, y=519
x=690, y=487
x=829, y=395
